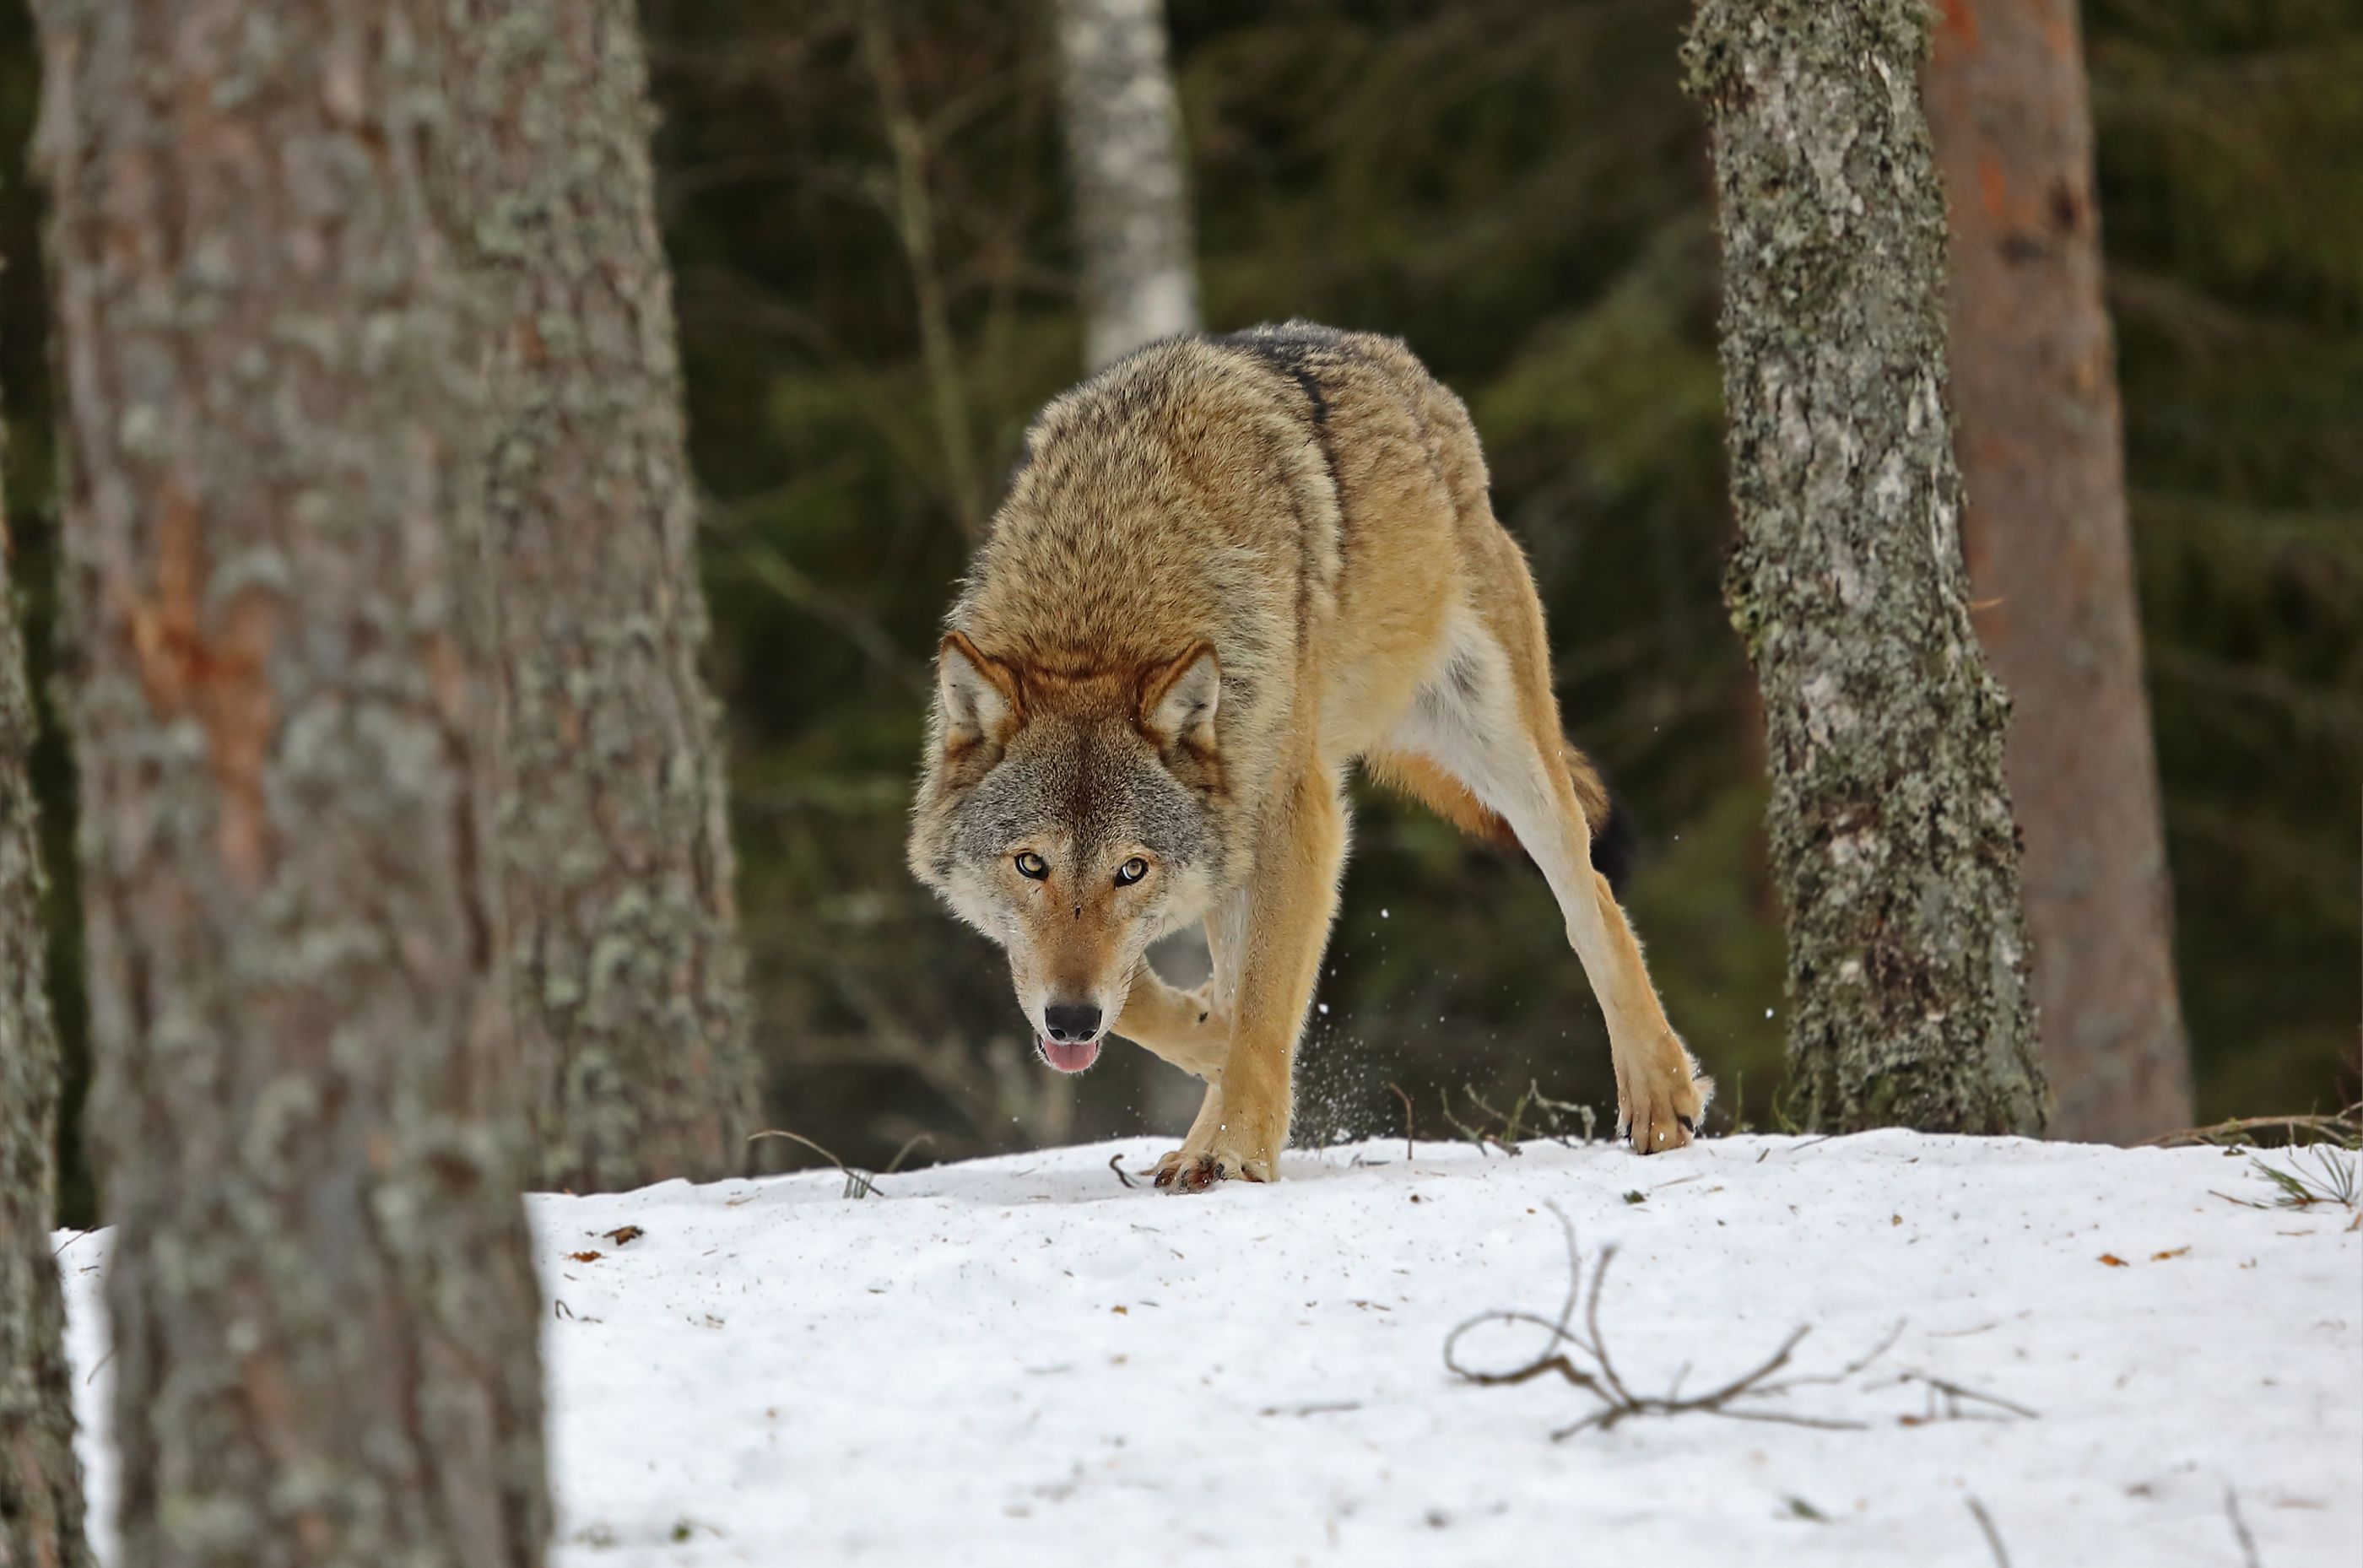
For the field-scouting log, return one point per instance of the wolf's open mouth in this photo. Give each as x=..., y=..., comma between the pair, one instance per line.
x=1067, y=1058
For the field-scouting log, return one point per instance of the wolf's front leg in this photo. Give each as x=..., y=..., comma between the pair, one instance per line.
x=1291, y=896
x=1190, y=1028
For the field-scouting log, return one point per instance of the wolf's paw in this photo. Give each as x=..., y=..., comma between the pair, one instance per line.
x=1186, y=1171
x=1659, y=1103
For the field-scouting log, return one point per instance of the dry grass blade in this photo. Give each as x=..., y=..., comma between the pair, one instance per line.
x=2318, y=1173
x=904, y=1152
x=858, y=1183
x=1405, y=1099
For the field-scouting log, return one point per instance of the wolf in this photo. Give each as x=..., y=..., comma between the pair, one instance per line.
x=1227, y=569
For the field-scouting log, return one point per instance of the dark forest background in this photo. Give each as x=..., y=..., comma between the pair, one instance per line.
x=1519, y=189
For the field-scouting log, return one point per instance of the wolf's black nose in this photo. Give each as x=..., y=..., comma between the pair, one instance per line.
x=1071, y=1023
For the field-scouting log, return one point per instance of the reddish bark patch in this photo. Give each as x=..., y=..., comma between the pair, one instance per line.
x=1958, y=28
x=224, y=682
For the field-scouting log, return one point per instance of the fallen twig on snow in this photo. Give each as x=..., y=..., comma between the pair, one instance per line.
x=2345, y=1127
x=1954, y=1395
x=1485, y=1140
x=1994, y=1536
x=1580, y=1355
x=1509, y=1130
x=2240, y=1529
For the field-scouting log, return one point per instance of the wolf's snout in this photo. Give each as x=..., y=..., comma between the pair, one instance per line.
x=1071, y=1035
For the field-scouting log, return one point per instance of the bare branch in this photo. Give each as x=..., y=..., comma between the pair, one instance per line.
x=2346, y=1124
x=2248, y=1557
x=915, y=226
x=1994, y=1536
x=1579, y=1356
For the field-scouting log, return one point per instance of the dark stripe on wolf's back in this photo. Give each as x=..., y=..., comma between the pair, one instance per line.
x=1297, y=353
x=1292, y=353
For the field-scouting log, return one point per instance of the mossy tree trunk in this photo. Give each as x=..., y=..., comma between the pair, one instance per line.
x=40, y=1486
x=2040, y=441
x=1130, y=173
x=631, y=1004
x=1891, y=829
x=308, y=1129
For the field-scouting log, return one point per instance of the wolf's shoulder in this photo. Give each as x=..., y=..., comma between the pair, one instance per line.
x=1198, y=374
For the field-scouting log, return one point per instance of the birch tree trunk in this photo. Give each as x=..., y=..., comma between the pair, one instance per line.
x=2041, y=449
x=40, y=1486
x=1132, y=192
x=1891, y=837
x=324, y=1306
x=631, y=1005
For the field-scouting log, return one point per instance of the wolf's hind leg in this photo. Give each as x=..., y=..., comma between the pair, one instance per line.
x=1489, y=717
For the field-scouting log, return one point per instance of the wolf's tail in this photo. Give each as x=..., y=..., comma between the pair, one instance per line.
x=1413, y=774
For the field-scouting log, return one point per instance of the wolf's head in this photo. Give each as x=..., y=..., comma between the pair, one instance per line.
x=1071, y=818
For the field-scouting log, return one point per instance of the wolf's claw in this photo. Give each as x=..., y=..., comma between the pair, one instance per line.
x=1182, y=1172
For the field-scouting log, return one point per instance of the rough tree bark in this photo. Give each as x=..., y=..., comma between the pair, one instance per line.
x=631, y=1006
x=1891, y=837
x=1132, y=194
x=324, y=1306
x=40, y=1486
x=2040, y=445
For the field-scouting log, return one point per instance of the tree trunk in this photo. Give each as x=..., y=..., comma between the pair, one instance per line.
x=1890, y=830
x=324, y=1306
x=631, y=1006
x=1132, y=193
x=2041, y=454
x=40, y=1486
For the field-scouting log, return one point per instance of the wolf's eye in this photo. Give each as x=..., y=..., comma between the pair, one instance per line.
x=1030, y=864
x=1132, y=870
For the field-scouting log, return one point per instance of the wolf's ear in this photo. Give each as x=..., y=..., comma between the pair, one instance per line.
x=977, y=694
x=1177, y=698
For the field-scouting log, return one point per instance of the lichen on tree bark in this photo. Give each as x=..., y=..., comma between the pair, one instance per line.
x=40, y=1486
x=1890, y=832
x=631, y=1007
x=324, y=1309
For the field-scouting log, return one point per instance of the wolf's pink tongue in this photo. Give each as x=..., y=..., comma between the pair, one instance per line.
x=1068, y=1058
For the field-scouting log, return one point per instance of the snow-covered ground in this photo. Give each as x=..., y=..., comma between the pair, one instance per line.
x=1020, y=1360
